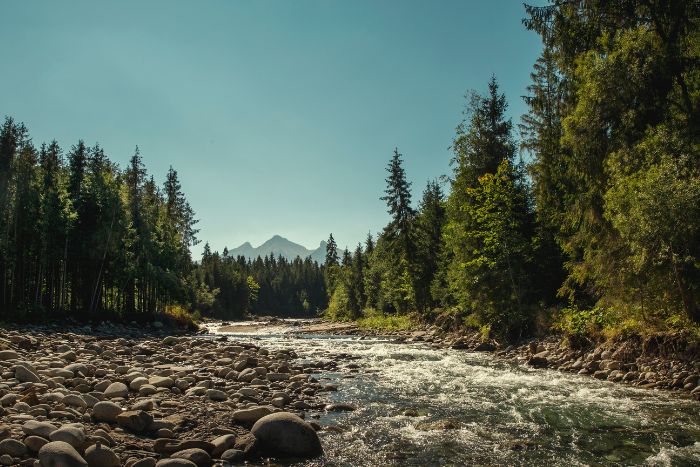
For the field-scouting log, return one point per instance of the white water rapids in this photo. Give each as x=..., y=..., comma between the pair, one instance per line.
x=495, y=412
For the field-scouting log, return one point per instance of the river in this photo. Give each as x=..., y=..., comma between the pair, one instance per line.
x=423, y=406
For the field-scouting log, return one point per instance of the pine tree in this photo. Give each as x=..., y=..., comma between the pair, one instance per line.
x=430, y=222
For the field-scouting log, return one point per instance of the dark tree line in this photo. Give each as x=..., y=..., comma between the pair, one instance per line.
x=599, y=230
x=231, y=287
x=80, y=235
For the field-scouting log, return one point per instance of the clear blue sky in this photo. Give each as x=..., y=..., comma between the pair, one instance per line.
x=279, y=116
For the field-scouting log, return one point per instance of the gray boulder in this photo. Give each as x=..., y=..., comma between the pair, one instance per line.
x=284, y=434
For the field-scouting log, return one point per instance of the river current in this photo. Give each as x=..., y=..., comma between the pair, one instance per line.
x=417, y=405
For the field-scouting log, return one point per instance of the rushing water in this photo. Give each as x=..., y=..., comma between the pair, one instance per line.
x=475, y=410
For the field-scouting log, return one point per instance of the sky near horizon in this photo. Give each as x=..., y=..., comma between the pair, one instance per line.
x=279, y=116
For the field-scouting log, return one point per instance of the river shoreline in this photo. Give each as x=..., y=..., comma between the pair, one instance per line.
x=140, y=396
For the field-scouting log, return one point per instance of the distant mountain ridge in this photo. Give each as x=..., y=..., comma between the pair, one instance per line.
x=279, y=245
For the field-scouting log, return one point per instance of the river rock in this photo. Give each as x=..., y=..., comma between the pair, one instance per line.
x=34, y=443
x=106, y=411
x=69, y=434
x=74, y=400
x=115, y=390
x=161, y=382
x=216, y=395
x=285, y=434
x=196, y=455
x=146, y=462
x=251, y=415
x=60, y=454
x=340, y=407
x=36, y=428
x=8, y=355
x=538, y=362
x=137, y=421
x=175, y=463
x=221, y=444
x=25, y=375
x=98, y=455
x=232, y=455
x=12, y=447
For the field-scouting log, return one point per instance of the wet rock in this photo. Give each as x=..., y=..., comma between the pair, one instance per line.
x=538, y=362
x=286, y=435
x=340, y=407
x=60, y=454
x=485, y=347
x=98, y=455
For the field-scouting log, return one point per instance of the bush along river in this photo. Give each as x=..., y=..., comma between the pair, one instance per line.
x=416, y=404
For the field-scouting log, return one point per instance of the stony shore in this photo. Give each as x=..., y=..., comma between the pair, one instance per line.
x=661, y=362
x=114, y=395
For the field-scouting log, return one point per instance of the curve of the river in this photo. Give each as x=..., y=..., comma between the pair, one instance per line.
x=423, y=406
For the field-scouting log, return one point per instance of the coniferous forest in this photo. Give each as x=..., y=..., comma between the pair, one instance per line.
x=584, y=215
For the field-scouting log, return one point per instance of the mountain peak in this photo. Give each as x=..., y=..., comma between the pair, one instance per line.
x=280, y=246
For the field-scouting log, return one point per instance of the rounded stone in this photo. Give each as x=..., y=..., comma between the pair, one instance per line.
x=232, y=455
x=98, y=455
x=12, y=447
x=43, y=429
x=60, y=454
x=285, y=434
x=69, y=434
x=34, y=443
x=175, y=463
x=106, y=411
x=115, y=390
x=196, y=455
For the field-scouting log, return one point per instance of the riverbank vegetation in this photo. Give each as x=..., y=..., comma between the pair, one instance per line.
x=593, y=227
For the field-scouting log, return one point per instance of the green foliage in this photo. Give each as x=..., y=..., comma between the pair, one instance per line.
x=376, y=320
x=84, y=237
x=590, y=321
x=492, y=252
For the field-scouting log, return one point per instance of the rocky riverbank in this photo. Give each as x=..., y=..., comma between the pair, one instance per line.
x=658, y=362
x=114, y=395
